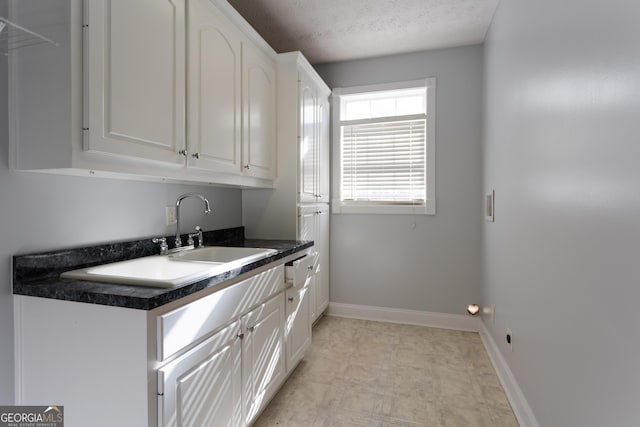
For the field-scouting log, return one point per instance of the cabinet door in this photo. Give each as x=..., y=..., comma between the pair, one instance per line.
x=263, y=356
x=202, y=388
x=324, y=144
x=308, y=139
x=135, y=79
x=322, y=267
x=214, y=88
x=307, y=231
x=259, y=118
x=314, y=225
x=298, y=325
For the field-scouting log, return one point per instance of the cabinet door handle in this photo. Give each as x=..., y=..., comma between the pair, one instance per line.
x=196, y=155
x=290, y=299
x=247, y=167
x=241, y=336
x=250, y=329
x=183, y=152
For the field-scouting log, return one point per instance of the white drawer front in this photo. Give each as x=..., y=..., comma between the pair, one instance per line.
x=187, y=324
x=302, y=269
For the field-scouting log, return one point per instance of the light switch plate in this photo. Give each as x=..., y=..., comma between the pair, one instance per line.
x=489, y=206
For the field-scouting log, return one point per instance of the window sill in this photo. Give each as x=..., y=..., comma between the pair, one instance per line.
x=428, y=209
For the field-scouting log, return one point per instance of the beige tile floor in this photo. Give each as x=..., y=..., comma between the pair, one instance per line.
x=363, y=373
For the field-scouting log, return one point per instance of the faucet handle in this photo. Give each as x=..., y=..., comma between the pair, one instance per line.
x=200, y=237
x=164, y=248
x=197, y=234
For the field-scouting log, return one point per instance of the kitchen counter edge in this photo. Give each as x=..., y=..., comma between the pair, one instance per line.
x=38, y=274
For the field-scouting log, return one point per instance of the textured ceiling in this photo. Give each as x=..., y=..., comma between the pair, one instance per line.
x=338, y=30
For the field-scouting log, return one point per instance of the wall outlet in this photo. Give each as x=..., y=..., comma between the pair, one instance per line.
x=170, y=215
x=509, y=338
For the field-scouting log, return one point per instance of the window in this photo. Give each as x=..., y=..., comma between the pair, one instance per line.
x=384, y=138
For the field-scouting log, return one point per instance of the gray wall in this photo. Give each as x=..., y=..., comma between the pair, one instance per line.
x=561, y=262
x=41, y=212
x=380, y=260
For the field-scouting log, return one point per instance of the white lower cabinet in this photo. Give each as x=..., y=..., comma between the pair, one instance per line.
x=203, y=387
x=301, y=274
x=322, y=266
x=263, y=353
x=210, y=360
x=298, y=325
x=314, y=225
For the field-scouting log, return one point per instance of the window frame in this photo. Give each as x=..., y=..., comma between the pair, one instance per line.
x=429, y=206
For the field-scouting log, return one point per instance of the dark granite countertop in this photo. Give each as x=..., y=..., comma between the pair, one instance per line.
x=39, y=274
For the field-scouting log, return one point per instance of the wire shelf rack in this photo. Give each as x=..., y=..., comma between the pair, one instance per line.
x=14, y=36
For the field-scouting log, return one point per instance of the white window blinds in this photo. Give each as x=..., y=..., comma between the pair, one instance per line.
x=384, y=161
x=383, y=147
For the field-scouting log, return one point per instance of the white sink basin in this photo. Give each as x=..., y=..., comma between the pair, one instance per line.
x=224, y=254
x=155, y=271
x=162, y=271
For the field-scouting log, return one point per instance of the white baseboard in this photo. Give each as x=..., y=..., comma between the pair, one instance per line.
x=410, y=317
x=519, y=404
x=17, y=350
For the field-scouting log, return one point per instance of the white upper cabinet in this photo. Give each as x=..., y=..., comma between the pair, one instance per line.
x=136, y=79
x=313, y=140
x=215, y=83
x=259, y=102
x=324, y=144
x=167, y=90
x=308, y=138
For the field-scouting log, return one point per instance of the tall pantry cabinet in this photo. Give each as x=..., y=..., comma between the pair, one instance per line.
x=298, y=208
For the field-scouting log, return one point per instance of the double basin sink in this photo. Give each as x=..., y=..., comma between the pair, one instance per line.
x=166, y=271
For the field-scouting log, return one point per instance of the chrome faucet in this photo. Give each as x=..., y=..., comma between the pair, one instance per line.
x=207, y=209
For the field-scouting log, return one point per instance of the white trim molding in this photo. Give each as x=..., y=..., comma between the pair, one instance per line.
x=519, y=404
x=18, y=396
x=512, y=390
x=410, y=317
x=428, y=206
